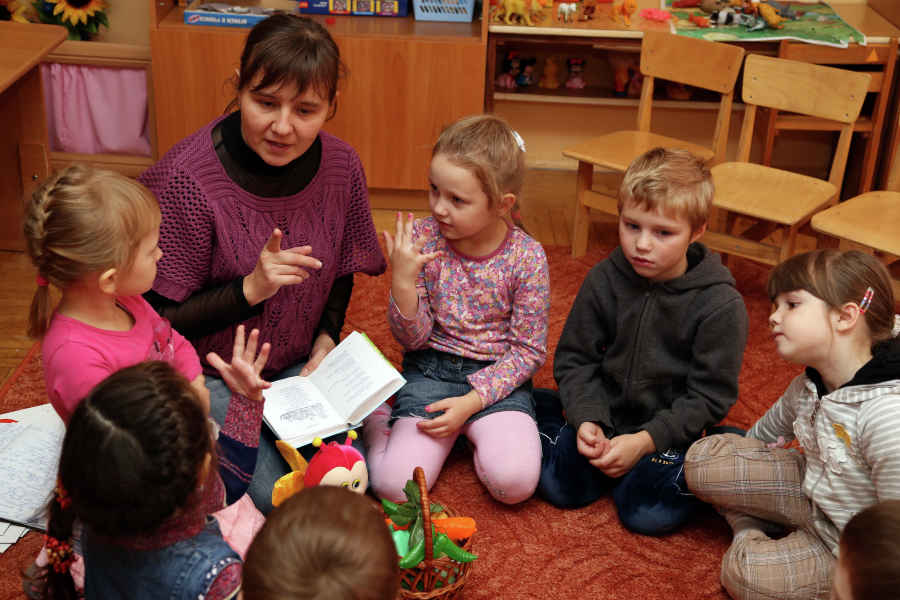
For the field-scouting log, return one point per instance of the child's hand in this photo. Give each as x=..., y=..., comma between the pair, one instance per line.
x=275, y=268
x=779, y=444
x=591, y=442
x=625, y=451
x=405, y=255
x=456, y=411
x=242, y=375
x=199, y=385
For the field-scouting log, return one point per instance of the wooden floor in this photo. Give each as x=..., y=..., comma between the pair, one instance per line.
x=549, y=217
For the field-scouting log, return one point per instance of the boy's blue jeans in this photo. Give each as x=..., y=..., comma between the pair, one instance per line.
x=652, y=499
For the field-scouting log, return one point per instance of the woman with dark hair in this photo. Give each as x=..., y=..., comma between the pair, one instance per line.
x=265, y=218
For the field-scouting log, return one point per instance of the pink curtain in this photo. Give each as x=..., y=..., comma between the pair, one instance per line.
x=96, y=110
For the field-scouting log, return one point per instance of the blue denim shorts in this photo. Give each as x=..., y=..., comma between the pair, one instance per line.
x=432, y=375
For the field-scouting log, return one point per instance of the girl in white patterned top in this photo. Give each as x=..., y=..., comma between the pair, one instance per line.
x=834, y=314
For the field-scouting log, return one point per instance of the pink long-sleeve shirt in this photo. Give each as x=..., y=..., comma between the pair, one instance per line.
x=77, y=356
x=493, y=307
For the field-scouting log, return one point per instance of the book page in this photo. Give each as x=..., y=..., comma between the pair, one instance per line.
x=295, y=409
x=351, y=373
x=28, y=466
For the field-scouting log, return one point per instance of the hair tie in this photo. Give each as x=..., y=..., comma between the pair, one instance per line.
x=866, y=301
x=896, y=330
x=59, y=554
x=517, y=216
x=41, y=280
x=519, y=141
x=62, y=496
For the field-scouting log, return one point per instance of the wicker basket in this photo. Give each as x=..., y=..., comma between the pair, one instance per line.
x=433, y=574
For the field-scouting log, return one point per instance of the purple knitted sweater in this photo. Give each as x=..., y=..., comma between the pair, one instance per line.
x=213, y=231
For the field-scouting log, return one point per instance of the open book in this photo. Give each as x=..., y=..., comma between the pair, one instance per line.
x=352, y=381
x=30, y=445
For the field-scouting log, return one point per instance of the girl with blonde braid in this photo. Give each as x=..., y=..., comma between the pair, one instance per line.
x=93, y=235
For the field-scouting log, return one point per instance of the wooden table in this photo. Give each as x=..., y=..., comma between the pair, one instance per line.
x=24, y=147
x=877, y=58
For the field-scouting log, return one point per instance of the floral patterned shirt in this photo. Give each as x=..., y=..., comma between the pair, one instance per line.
x=493, y=307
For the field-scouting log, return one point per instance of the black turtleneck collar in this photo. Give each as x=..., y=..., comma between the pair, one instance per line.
x=884, y=366
x=247, y=169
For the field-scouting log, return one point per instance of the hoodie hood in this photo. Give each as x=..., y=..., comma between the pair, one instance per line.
x=704, y=269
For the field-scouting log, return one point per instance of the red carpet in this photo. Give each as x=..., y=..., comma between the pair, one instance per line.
x=533, y=550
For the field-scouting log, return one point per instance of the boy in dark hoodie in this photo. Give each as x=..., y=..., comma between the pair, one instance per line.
x=650, y=354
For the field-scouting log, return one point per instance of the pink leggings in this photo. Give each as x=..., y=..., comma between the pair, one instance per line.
x=506, y=446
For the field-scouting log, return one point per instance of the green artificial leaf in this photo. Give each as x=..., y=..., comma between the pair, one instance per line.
x=91, y=27
x=412, y=492
x=400, y=520
x=407, y=512
x=435, y=508
x=416, y=532
x=101, y=16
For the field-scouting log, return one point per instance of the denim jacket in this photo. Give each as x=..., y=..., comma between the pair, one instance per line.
x=181, y=571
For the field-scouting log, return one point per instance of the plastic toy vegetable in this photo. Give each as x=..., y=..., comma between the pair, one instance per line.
x=457, y=528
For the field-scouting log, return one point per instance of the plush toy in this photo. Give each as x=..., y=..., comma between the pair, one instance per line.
x=549, y=80
x=333, y=465
x=511, y=68
x=576, y=66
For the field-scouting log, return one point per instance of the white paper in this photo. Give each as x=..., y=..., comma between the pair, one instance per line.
x=295, y=409
x=350, y=374
x=4, y=547
x=28, y=467
x=12, y=534
x=3, y=527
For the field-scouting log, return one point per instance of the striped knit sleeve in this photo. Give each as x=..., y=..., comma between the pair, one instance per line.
x=239, y=446
x=878, y=428
x=779, y=420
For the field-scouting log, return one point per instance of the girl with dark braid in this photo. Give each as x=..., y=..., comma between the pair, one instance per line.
x=139, y=471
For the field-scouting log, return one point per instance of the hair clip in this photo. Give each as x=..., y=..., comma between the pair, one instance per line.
x=41, y=281
x=866, y=301
x=62, y=496
x=516, y=215
x=60, y=555
x=896, y=330
x=519, y=140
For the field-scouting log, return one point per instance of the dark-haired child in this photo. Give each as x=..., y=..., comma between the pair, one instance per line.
x=869, y=566
x=139, y=470
x=325, y=543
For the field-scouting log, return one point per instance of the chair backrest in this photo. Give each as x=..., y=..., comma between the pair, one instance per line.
x=812, y=90
x=709, y=65
x=699, y=63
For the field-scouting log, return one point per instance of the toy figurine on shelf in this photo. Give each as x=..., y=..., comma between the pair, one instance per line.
x=623, y=63
x=549, y=80
x=589, y=8
x=511, y=69
x=678, y=91
x=622, y=12
x=566, y=12
x=699, y=20
x=527, y=66
x=576, y=66
x=522, y=9
x=686, y=3
x=334, y=464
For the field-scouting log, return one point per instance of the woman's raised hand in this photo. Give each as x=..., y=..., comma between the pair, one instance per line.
x=243, y=374
x=277, y=267
x=405, y=254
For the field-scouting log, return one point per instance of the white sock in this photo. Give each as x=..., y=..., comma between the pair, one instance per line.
x=742, y=523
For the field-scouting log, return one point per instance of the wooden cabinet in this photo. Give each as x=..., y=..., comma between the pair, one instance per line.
x=407, y=80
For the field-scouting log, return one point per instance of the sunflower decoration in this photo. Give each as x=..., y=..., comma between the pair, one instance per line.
x=14, y=10
x=80, y=17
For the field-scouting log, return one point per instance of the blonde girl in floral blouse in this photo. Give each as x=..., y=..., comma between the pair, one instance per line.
x=470, y=299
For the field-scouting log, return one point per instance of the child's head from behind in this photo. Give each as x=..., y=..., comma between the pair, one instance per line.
x=820, y=294
x=287, y=86
x=477, y=173
x=135, y=450
x=869, y=567
x=325, y=543
x=664, y=202
x=83, y=221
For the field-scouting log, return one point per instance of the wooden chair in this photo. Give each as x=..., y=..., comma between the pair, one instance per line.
x=871, y=220
x=777, y=199
x=708, y=65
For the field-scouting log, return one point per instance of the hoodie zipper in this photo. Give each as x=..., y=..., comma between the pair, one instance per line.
x=634, y=352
